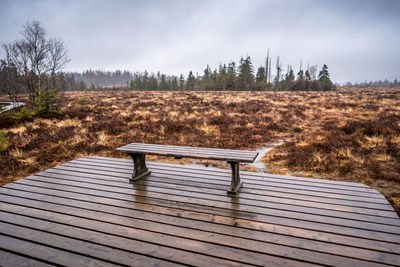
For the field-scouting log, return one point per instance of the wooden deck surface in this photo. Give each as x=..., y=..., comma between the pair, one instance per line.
x=86, y=213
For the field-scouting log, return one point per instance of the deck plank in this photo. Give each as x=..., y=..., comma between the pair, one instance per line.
x=163, y=186
x=253, y=175
x=8, y=259
x=253, y=184
x=259, y=190
x=187, y=185
x=257, y=176
x=120, y=208
x=369, y=222
x=87, y=211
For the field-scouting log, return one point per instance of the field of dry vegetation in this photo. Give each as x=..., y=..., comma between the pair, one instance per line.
x=350, y=135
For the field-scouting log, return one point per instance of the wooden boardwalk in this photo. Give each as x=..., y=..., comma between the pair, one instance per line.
x=86, y=213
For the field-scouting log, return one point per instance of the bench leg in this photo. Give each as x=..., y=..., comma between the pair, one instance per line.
x=236, y=183
x=140, y=169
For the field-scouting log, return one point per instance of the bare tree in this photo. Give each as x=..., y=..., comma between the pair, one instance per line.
x=278, y=71
x=9, y=80
x=266, y=67
x=313, y=72
x=37, y=59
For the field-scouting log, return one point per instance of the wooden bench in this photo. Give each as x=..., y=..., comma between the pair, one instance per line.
x=138, y=153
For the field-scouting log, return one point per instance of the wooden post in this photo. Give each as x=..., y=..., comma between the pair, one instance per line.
x=236, y=183
x=140, y=169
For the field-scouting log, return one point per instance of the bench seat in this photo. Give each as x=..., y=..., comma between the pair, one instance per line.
x=138, y=152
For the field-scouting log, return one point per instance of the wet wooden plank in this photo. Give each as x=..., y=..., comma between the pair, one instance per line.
x=8, y=259
x=305, y=220
x=127, y=163
x=190, y=152
x=48, y=254
x=155, y=181
x=126, y=248
x=251, y=175
x=25, y=230
x=123, y=168
x=264, y=232
x=211, y=178
x=191, y=148
x=261, y=190
x=177, y=216
x=309, y=186
x=300, y=212
x=217, y=238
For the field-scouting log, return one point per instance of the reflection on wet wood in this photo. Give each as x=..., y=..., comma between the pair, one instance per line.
x=86, y=212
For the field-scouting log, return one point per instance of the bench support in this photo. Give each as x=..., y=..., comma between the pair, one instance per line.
x=236, y=183
x=140, y=169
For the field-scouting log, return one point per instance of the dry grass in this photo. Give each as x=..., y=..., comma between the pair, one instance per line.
x=351, y=135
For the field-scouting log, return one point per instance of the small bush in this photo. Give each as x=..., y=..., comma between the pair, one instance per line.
x=3, y=140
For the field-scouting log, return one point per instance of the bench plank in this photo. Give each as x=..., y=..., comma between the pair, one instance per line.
x=191, y=152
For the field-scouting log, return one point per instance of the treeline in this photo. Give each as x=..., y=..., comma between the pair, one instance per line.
x=227, y=77
x=384, y=83
x=103, y=78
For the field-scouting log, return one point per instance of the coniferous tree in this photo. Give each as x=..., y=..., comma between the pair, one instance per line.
x=163, y=83
x=222, y=78
x=231, y=77
x=261, y=81
x=289, y=79
x=82, y=86
x=181, y=82
x=145, y=81
x=191, y=80
x=246, y=74
x=206, y=82
x=174, y=84
x=260, y=76
x=324, y=78
x=152, y=83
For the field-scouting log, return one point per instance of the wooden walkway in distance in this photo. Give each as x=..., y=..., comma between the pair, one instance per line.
x=86, y=213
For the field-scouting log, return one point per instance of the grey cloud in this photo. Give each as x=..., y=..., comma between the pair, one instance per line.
x=358, y=40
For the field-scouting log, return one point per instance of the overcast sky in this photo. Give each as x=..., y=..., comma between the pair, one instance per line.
x=358, y=40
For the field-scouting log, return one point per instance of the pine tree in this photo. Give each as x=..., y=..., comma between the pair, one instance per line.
x=323, y=74
x=82, y=86
x=260, y=76
x=324, y=79
x=174, y=83
x=181, y=82
x=289, y=80
x=191, y=80
x=222, y=82
x=231, y=76
x=246, y=74
x=152, y=84
x=206, y=79
x=163, y=83
x=261, y=81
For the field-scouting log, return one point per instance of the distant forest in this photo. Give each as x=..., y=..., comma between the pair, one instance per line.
x=384, y=83
x=227, y=77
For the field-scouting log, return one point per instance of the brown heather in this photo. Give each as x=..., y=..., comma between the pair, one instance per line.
x=350, y=135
